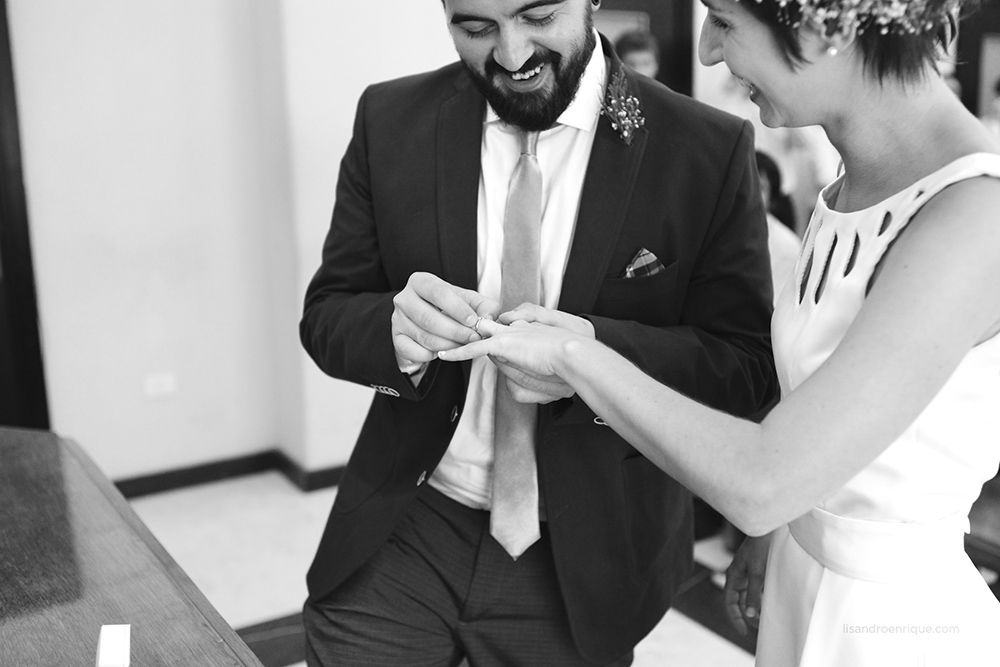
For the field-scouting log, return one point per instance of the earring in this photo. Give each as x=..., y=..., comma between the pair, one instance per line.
x=832, y=51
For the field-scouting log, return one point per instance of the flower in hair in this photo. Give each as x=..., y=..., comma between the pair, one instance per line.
x=887, y=16
x=622, y=108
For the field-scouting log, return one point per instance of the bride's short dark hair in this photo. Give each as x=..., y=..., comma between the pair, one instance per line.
x=889, y=50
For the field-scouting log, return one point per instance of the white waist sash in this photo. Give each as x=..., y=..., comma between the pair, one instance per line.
x=879, y=551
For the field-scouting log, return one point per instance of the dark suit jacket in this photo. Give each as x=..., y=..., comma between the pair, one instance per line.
x=686, y=189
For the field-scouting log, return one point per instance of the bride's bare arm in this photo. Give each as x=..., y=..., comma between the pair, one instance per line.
x=936, y=297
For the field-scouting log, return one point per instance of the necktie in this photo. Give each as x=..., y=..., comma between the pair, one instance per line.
x=514, y=514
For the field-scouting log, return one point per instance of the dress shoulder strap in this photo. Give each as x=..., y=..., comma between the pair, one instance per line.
x=969, y=166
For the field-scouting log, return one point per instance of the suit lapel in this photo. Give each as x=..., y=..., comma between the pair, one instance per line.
x=607, y=192
x=459, y=144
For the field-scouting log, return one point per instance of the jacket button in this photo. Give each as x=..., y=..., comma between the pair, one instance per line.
x=454, y=413
x=423, y=476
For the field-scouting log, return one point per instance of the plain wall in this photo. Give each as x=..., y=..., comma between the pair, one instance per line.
x=180, y=160
x=333, y=51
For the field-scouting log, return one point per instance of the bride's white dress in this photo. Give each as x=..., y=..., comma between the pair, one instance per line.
x=876, y=575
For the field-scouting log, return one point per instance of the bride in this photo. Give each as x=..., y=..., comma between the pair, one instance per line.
x=857, y=486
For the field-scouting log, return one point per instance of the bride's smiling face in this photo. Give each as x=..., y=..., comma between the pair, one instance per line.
x=748, y=47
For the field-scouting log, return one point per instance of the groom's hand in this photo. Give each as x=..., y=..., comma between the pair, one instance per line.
x=528, y=387
x=431, y=315
x=530, y=312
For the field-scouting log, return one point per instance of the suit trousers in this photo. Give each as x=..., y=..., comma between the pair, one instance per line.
x=442, y=590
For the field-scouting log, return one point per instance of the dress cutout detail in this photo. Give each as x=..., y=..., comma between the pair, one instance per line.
x=876, y=575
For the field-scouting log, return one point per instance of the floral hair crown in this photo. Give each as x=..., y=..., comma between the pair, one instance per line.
x=887, y=16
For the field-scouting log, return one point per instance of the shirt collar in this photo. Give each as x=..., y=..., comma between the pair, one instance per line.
x=583, y=112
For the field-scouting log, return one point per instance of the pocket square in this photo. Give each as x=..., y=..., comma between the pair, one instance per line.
x=644, y=263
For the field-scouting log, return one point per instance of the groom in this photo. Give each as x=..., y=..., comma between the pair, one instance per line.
x=652, y=239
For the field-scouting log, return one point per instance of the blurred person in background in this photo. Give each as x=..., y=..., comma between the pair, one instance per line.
x=640, y=51
x=782, y=241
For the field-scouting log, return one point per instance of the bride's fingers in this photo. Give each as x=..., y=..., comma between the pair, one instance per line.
x=732, y=600
x=487, y=327
x=752, y=604
x=480, y=348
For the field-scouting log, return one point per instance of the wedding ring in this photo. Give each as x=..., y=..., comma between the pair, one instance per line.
x=476, y=326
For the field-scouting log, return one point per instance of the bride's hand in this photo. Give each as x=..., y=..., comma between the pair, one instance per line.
x=530, y=348
x=745, y=583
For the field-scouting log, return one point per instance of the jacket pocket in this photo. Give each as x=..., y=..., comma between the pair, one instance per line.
x=652, y=299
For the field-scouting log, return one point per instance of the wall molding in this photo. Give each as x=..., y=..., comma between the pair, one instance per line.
x=277, y=643
x=272, y=459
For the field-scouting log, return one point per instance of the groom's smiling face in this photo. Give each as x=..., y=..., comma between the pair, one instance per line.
x=525, y=56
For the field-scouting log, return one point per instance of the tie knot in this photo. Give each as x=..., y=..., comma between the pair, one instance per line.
x=529, y=142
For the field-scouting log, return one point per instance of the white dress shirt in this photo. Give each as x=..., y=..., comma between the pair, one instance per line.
x=464, y=473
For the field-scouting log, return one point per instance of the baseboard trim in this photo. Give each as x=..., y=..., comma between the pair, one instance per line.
x=308, y=480
x=273, y=459
x=277, y=643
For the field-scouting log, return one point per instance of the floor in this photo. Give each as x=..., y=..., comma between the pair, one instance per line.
x=247, y=542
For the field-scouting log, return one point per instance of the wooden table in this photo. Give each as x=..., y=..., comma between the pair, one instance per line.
x=74, y=556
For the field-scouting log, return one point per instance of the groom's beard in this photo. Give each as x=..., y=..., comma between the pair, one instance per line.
x=537, y=110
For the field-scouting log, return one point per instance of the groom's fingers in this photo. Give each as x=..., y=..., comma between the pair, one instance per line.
x=449, y=300
x=409, y=351
x=487, y=328
x=527, y=396
x=483, y=306
x=529, y=312
x=549, y=384
x=405, y=329
x=430, y=310
x=527, y=387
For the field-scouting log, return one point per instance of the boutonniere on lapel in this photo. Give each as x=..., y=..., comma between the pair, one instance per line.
x=622, y=109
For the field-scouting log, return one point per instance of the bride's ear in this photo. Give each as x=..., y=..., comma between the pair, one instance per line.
x=820, y=41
